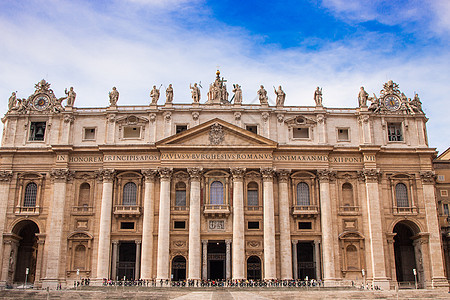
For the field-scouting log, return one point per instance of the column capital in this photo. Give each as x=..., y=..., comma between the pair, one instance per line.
x=138, y=242
x=267, y=173
x=195, y=173
x=316, y=242
x=238, y=173
x=428, y=177
x=6, y=175
x=61, y=174
x=326, y=175
x=149, y=174
x=165, y=173
x=294, y=242
x=204, y=242
x=283, y=175
x=228, y=242
x=106, y=175
x=115, y=242
x=370, y=175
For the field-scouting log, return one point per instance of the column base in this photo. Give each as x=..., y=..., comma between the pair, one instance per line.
x=330, y=282
x=439, y=282
x=52, y=284
x=382, y=283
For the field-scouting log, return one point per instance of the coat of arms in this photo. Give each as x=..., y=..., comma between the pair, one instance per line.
x=216, y=135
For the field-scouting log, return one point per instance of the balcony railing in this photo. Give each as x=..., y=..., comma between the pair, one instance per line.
x=349, y=210
x=127, y=210
x=216, y=210
x=27, y=210
x=405, y=210
x=82, y=210
x=254, y=208
x=180, y=208
x=305, y=211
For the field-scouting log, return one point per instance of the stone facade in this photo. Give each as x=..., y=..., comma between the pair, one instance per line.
x=218, y=190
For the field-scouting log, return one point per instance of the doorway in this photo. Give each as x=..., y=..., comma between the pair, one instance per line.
x=179, y=268
x=26, y=256
x=405, y=258
x=254, y=268
x=216, y=260
x=126, y=267
x=305, y=261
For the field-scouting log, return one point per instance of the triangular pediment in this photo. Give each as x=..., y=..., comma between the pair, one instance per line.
x=216, y=133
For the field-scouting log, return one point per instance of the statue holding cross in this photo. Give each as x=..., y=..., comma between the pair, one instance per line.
x=218, y=91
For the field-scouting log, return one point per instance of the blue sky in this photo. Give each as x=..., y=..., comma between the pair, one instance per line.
x=339, y=45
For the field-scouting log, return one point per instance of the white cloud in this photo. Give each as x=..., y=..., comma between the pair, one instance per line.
x=95, y=50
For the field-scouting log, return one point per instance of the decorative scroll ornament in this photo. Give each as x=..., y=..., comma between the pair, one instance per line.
x=267, y=173
x=179, y=244
x=370, y=175
x=216, y=134
x=149, y=174
x=238, y=173
x=61, y=174
x=326, y=175
x=5, y=175
x=106, y=174
x=428, y=177
x=283, y=175
x=165, y=173
x=195, y=173
x=253, y=244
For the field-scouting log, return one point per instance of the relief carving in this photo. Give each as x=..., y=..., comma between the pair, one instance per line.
x=216, y=225
x=216, y=134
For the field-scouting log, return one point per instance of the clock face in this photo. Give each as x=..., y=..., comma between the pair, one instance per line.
x=41, y=102
x=392, y=102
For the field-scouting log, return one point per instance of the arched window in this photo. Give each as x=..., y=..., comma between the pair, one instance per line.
x=352, y=258
x=129, y=194
x=180, y=194
x=79, y=257
x=216, y=193
x=84, y=195
x=30, y=195
x=303, y=194
x=401, y=195
x=252, y=194
x=347, y=194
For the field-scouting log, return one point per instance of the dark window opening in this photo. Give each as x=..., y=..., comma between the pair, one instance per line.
x=304, y=225
x=252, y=128
x=253, y=225
x=37, y=131
x=126, y=225
x=343, y=135
x=301, y=133
x=89, y=133
x=179, y=225
x=181, y=128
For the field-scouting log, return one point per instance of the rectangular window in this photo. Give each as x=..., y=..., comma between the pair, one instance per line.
x=127, y=225
x=444, y=193
x=395, y=132
x=252, y=128
x=253, y=225
x=446, y=212
x=342, y=135
x=37, y=131
x=179, y=224
x=181, y=128
x=132, y=132
x=441, y=177
x=304, y=225
x=180, y=198
x=89, y=134
x=252, y=198
x=300, y=133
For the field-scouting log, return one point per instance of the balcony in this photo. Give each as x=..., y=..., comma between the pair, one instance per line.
x=305, y=211
x=216, y=210
x=27, y=210
x=349, y=210
x=405, y=210
x=82, y=210
x=127, y=210
x=254, y=209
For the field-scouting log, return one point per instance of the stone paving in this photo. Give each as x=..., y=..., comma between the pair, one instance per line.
x=220, y=294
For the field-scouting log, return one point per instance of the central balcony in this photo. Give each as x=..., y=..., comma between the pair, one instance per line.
x=127, y=210
x=305, y=211
x=216, y=210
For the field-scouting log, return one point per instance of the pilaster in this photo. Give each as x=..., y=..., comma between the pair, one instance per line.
x=285, y=228
x=238, y=224
x=195, y=251
x=5, y=180
x=269, y=225
x=162, y=267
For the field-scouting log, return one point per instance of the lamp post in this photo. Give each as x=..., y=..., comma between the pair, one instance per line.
x=415, y=277
x=27, y=270
x=363, y=272
x=78, y=279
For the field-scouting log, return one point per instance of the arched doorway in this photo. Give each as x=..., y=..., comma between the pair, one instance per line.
x=254, y=268
x=405, y=254
x=26, y=256
x=179, y=268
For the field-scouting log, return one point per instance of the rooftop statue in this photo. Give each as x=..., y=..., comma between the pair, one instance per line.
x=113, y=97
x=281, y=96
x=195, y=91
x=71, y=95
x=362, y=97
x=237, y=94
x=218, y=91
x=12, y=101
x=262, y=95
x=154, y=94
x=318, y=96
x=169, y=94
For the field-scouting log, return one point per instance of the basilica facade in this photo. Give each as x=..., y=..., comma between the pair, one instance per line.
x=218, y=189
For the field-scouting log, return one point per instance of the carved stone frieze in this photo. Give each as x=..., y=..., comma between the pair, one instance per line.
x=280, y=118
x=320, y=119
x=69, y=118
x=326, y=175
x=265, y=116
x=195, y=115
x=5, y=175
x=106, y=175
x=195, y=173
x=149, y=174
x=237, y=116
x=165, y=173
x=428, y=177
x=253, y=244
x=111, y=118
x=179, y=244
x=61, y=174
x=181, y=176
x=152, y=117
x=238, y=173
x=370, y=175
x=283, y=175
x=216, y=134
x=363, y=119
x=167, y=115
x=267, y=173
x=216, y=225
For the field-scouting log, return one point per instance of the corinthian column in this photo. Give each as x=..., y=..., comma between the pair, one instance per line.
x=238, y=224
x=371, y=177
x=147, y=227
x=437, y=264
x=162, y=267
x=5, y=179
x=270, y=271
x=55, y=226
x=327, y=228
x=195, y=249
x=285, y=226
x=104, y=234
